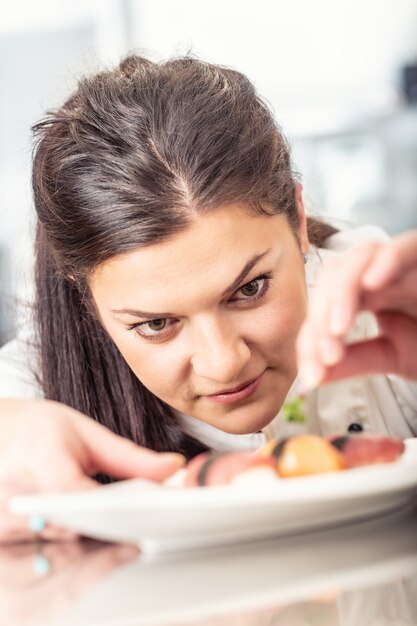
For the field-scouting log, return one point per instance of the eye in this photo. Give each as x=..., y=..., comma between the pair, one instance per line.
x=153, y=328
x=253, y=290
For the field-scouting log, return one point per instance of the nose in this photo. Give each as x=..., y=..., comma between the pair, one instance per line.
x=219, y=352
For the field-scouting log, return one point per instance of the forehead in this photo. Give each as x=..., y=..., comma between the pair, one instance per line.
x=215, y=246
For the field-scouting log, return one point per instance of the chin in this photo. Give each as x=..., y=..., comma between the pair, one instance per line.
x=245, y=425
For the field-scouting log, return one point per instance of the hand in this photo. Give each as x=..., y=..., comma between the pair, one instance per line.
x=376, y=277
x=46, y=446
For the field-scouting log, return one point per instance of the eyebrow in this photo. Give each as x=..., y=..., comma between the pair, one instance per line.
x=245, y=271
x=230, y=289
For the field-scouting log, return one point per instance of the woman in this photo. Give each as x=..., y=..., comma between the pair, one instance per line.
x=173, y=258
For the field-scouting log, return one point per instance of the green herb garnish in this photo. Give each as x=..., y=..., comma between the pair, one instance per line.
x=293, y=410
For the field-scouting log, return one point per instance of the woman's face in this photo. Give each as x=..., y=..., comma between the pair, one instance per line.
x=207, y=320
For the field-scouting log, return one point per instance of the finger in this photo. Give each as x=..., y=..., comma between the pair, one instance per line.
x=69, y=475
x=57, y=534
x=330, y=350
x=13, y=528
x=398, y=294
x=310, y=367
x=315, y=351
x=391, y=261
x=346, y=290
x=321, y=297
x=401, y=331
x=339, y=300
x=16, y=528
x=362, y=358
x=122, y=458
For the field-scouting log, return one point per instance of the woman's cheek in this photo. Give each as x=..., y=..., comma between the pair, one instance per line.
x=140, y=357
x=157, y=366
x=283, y=319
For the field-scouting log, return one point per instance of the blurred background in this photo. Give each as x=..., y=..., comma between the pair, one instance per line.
x=341, y=76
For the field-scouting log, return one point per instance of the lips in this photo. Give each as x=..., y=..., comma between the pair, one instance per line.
x=229, y=396
x=235, y=389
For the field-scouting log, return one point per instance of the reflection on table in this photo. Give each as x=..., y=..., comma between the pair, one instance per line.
x=358, y=575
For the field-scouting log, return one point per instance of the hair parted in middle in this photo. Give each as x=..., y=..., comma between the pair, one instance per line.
x=132, y=157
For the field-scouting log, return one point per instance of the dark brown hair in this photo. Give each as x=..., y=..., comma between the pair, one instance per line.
x=128, y=161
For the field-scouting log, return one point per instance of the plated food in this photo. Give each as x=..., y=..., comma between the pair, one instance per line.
x=170, y=517
x=301, y=455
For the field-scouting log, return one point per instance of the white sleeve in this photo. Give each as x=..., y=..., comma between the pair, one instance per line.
x=17, y=371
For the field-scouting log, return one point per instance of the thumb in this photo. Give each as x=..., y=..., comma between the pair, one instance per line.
x=122, y=458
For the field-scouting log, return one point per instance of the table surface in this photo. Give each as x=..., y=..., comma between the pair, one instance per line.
x=361, y=574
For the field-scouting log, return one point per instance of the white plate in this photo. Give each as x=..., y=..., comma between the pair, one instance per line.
x=161, y=518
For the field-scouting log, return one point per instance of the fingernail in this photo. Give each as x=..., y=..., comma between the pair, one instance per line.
x=41, y=565
x=69, y=535
x=127, y=553
x=310, y=375
x=372, y=278
x=37, y=523
x=330, y=350
x=339, y=320
x=179, y=459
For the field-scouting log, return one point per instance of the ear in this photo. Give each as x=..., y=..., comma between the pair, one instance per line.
x=302, y=219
